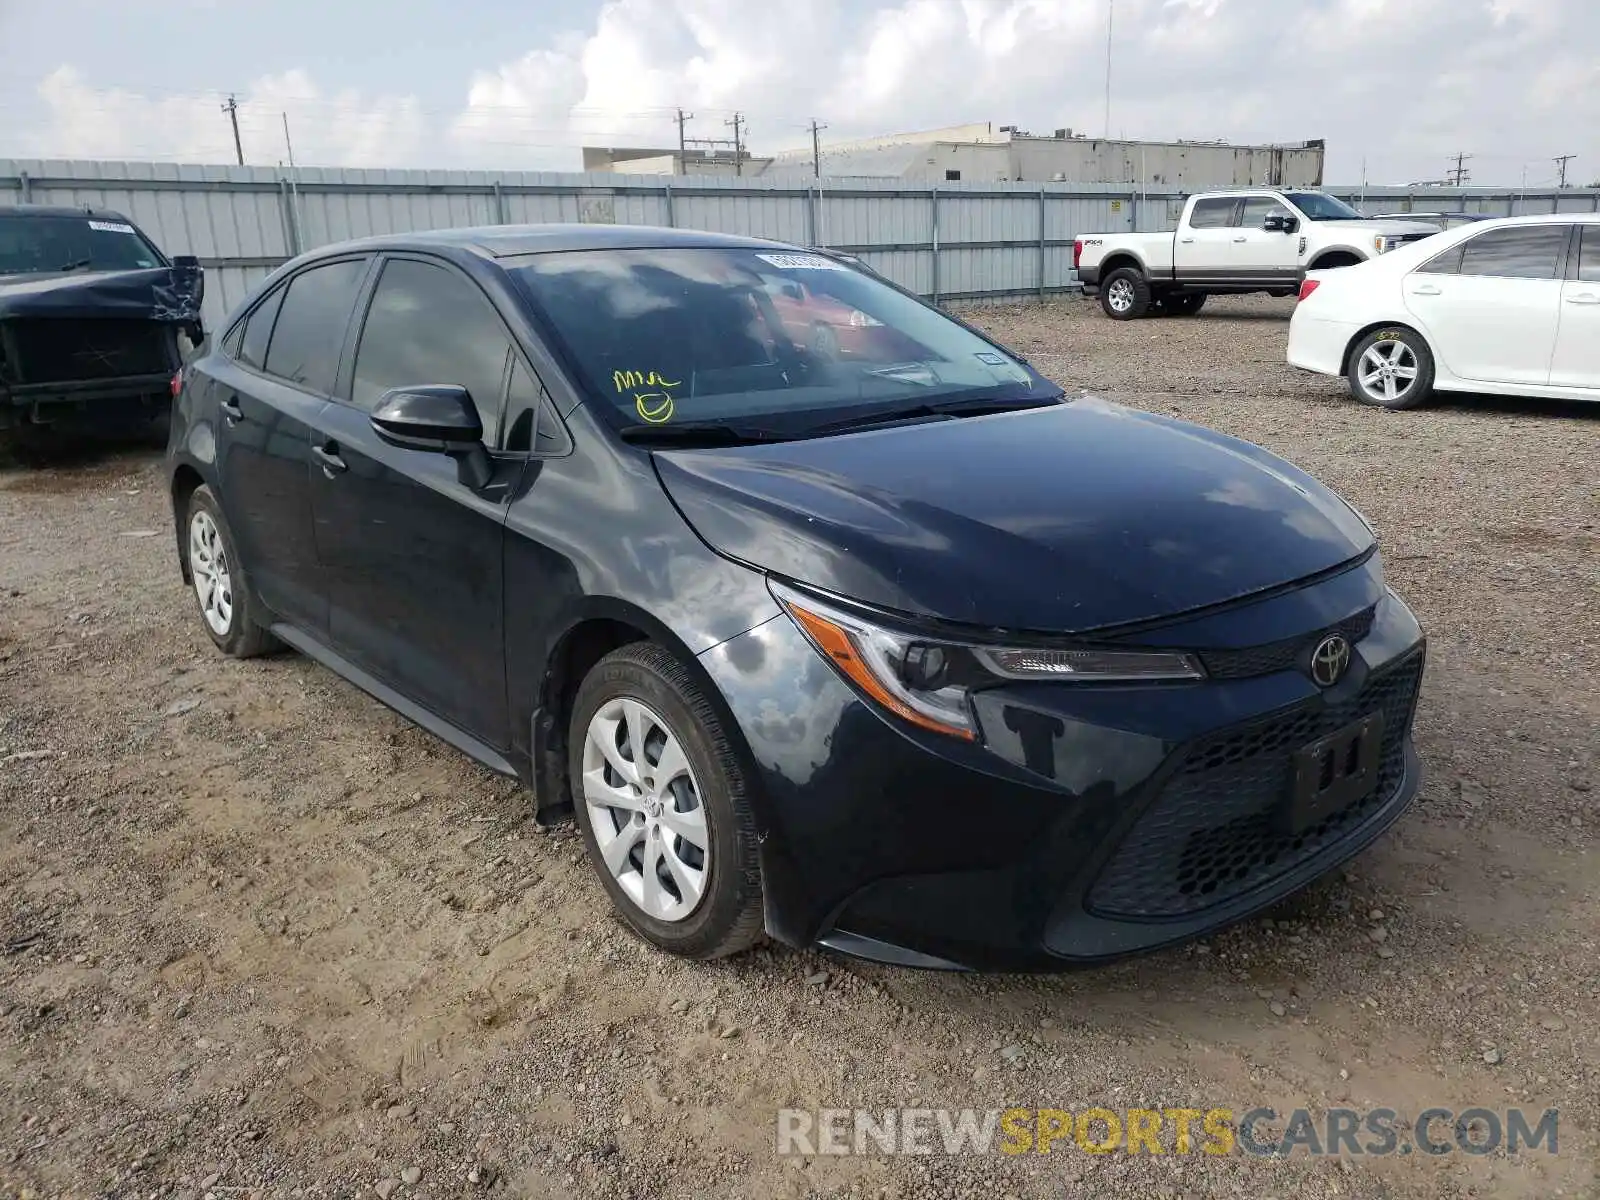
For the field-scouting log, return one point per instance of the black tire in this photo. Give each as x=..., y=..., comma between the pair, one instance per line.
x=244, y=636
x=1407, y=393
x=1182, y=306
x=728, y=917
x=1125, y=305
x=1335, y=260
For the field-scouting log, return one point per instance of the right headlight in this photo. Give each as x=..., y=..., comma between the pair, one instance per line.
x=926, y=680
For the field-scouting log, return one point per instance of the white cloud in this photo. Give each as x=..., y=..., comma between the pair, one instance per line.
x=1401, y=84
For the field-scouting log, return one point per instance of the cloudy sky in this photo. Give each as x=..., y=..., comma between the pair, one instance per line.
x=1399, y=85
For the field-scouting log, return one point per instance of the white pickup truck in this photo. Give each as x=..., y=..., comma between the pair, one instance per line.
x=1250, y=240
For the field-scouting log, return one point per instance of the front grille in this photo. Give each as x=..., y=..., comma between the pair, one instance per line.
x=1284, y=655
x=61, y=350
x=1213, y=833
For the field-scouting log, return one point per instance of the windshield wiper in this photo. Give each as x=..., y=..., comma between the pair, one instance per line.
x=78, y=265
x=708, y=432
x=970, y=407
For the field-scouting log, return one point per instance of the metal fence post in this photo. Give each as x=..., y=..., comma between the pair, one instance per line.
x=811, y=217
x=291, y=227
x=1041, y=244
x=1133, y=207
x=26, y=187
x=499, y=205
x=933, y=195
x=672, y=217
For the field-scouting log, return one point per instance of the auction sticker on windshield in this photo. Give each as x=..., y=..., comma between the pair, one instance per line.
x=110, y=227
x=802, y=262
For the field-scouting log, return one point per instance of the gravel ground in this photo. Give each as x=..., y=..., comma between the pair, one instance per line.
x=260, y=937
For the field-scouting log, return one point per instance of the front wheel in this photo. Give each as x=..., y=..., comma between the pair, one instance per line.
x=1125, y=294
x=663, y=805
x=1391, y=368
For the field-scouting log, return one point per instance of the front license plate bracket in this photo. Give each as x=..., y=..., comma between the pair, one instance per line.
x=1334, y=772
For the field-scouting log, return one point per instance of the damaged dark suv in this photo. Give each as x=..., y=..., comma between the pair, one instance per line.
x=94, y=321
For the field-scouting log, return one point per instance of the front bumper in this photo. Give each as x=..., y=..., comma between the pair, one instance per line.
x=1091, y=823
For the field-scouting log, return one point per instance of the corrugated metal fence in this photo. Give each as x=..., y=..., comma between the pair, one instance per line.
x=953, y=242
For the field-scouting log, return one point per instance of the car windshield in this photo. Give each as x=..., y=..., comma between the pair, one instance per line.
x=664, y=336
x=1319, y=206
x=31, y=245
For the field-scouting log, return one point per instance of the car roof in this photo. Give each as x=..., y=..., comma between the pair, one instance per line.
x=1557, y=218
x=505, y=241
x=47, y=210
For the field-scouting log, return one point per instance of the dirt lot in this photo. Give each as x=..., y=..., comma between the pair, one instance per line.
x=258, y=936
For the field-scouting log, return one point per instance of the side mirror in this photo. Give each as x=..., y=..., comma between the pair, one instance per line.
x=1280, y=223
x=186, y=260
x=439, y=417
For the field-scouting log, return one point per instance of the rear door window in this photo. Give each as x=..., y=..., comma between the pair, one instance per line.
x=1589, y=258
x=309, y=334
x=258, y=331
x=1516, y=252
x=1215, y=213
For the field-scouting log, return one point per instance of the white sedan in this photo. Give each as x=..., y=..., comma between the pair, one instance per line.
x=1510, y=306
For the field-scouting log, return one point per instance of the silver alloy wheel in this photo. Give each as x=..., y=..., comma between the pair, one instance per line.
x=208, y=564
x=1388, y=370
x=645, y=809
x=1120, y=295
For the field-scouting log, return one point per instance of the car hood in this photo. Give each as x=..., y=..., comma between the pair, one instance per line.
x=1375, y=225
x=153, y=293
x=1062, y=519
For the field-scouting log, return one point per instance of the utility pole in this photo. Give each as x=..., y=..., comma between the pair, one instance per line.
x=1561, y=161
x=1459, y=173
x=1109, y=4
x=683, y=120
x=232, y=109
x=816, y=148
x=738, y=143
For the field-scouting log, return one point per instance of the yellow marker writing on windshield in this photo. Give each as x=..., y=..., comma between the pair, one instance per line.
x=655, y=407
x=625, y=381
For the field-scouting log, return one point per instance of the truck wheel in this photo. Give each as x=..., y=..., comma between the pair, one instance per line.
x=1182, y=306
x=1125, y=295
x=1391, y=368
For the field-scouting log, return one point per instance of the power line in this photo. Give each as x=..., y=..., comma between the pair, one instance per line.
x=1561, y=161
x=1459, y=174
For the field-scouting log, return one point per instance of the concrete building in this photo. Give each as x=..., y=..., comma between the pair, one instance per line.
x=656, y=161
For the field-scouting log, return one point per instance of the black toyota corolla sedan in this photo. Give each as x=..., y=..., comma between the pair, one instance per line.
x=825, y=616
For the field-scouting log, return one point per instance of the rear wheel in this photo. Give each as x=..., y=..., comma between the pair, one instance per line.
x=1391, y=368
x=228, y=610
x=662, y=802
x=1125, y=294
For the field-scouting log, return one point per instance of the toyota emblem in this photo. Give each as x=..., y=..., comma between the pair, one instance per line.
x=1329, y=660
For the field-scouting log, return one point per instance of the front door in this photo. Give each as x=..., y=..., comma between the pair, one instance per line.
x=412, y=555
x=1490, y=307
x=1262, y=254
x=1577, y=357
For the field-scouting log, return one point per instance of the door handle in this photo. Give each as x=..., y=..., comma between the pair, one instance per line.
x=1240, y=239
x=1584, y=298
x=328, y=455
x=1426, y=289
x=231, y=410
x=1187, y=241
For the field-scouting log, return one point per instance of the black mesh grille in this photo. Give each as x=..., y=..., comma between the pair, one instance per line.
x=68, y=351
x=1213, y=833
x=1281, y=656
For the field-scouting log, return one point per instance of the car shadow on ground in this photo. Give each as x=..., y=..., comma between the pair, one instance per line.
x=1514, y=406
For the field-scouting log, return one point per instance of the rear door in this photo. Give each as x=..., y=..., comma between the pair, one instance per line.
x=1203, y=251
x=1576, y=362
x=413, y=555
x=1490, y=305
x=267, y=396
